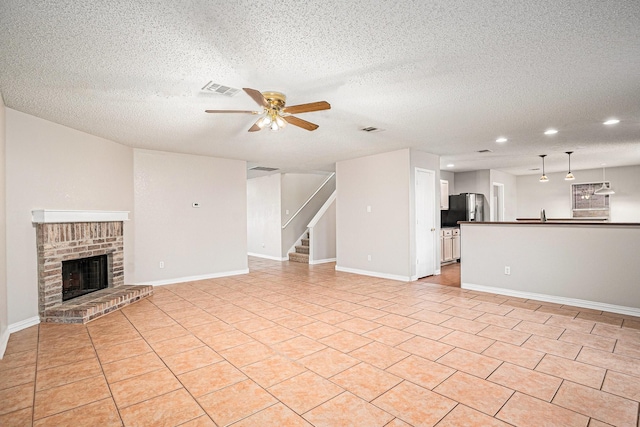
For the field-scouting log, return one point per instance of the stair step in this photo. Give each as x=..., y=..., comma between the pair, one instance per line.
x=305, y=242
x=302, y=249
x=295, y=257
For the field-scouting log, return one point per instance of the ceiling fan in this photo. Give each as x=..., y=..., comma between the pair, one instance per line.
x=275, y=115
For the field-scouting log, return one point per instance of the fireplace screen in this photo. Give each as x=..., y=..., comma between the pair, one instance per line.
x=82, y=276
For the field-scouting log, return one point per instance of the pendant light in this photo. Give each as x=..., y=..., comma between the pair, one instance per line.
x=543, y=178
x=606, y=189
x=569, y=176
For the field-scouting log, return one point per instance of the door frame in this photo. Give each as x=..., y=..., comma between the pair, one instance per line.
x=501, y=206
x=435, y=209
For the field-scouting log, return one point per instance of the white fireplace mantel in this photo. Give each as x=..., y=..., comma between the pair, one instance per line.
x=41, y=216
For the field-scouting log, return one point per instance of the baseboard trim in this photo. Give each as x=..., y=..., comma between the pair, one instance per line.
x=273, y=258
x=15, y=327
x=373, y=274
x=23, y=324
x=194, y=278
x=4, y=340
x=415, y=277
x=620, y=309
x=322, y=261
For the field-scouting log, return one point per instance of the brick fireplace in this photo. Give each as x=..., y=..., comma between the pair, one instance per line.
x=75, y=235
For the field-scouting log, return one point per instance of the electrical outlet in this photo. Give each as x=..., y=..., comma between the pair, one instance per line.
x=286, y=212
x=195, y=205
x=368, y=209
x=161, y=264
x=368, y=257
x=507, y=270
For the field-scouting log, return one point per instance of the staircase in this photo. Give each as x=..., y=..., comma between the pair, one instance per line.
x=302, y=252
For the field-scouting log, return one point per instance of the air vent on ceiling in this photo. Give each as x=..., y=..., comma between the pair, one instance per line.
x=485, y=151
x=263, y=169
x=212, y=87
x=371, y=129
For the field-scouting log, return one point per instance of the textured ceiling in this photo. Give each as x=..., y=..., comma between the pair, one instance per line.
x=447, y=77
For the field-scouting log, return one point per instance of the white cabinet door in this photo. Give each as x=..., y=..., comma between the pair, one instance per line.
x=456, y=244
x=444, y=194
x=447, y=245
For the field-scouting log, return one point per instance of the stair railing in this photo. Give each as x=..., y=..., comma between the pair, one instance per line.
x=309, y=199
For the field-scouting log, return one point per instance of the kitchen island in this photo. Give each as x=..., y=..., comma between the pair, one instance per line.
x=586, y=264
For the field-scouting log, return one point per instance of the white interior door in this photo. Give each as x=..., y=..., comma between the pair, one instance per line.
x=497, y=204
x=425, y=196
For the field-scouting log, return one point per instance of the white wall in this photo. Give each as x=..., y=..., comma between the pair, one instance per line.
x=296, y=189
x=263, y=216
x=382, y=182
x=510, y=193
x=50, y=166
x=475, y=182
x=451, y=177
x=209, y=241
x=554, y=196
x=4, y=310
x=323, y=240
x=590, y=263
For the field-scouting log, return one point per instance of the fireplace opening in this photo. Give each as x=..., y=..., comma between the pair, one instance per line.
x=83, y=276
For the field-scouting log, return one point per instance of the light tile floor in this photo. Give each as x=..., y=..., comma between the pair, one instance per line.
x=296, y=345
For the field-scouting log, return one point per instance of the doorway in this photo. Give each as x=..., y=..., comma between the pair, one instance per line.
x=497, y=202
x=425, y=199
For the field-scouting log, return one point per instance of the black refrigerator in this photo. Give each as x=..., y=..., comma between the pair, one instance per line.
x=463, y=207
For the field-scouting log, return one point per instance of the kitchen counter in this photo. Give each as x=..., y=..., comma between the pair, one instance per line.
x=556, y=222
x=592, y=265
x=586, y=219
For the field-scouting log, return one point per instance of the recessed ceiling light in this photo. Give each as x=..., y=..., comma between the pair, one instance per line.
x=450, y=165
x=550, y=132
x=612, y=122
x=501, y=140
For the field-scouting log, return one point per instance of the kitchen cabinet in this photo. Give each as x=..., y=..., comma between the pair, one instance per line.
x=444, y=195
x=446, y=245
x=456, y=243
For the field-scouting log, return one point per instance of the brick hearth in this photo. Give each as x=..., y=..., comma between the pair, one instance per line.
x=96, y=304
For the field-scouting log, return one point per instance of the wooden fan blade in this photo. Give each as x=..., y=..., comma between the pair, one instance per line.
x=233, y=111
x=300, y=123
x=305, y=108
x=257, y=96
x=255, y=127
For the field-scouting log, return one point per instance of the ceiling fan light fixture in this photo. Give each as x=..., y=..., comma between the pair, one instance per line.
x=280, y=121
x=273, y=105
x=265, y=121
